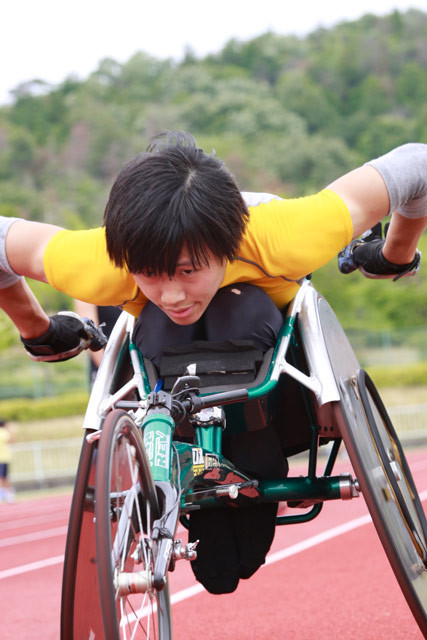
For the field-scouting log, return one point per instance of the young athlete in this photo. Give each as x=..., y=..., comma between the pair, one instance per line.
x=194, y=259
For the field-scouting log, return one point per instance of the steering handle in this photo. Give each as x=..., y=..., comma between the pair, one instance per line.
x=217, y=399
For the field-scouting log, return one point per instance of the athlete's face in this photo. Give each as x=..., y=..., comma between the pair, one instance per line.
x=184, y=296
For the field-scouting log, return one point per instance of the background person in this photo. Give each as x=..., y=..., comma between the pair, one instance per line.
x=7, y=493
x=105, y=316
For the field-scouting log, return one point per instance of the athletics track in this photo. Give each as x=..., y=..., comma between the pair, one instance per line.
x=325, y=579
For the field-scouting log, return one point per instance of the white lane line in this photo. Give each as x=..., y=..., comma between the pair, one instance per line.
x=189, y=592
x=32, y=566
x=197, y=588
x=22, y=512
x=286, y=553
x=30, y=537
x=22, y=523
x=339, y=530
x=293, y=549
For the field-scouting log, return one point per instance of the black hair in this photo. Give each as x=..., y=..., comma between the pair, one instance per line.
x=171, y=196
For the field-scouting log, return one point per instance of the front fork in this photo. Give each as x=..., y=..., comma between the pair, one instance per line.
x=158, y=428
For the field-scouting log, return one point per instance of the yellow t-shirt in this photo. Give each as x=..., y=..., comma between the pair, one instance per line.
x=284, y=241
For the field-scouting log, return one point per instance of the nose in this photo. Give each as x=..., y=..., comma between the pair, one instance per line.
x=172, y=293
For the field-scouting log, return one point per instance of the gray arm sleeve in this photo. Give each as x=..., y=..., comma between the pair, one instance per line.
x=8, y=277
x=404, y=171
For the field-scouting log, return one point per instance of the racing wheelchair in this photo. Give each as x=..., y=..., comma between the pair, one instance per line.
x=139, y=476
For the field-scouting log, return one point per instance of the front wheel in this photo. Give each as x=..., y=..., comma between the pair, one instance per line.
x=126, y=507
x=81, y=610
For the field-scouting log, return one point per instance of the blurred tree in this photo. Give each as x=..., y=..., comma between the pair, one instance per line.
x=384, y=133
x=264, y=57
x=370, y=95
x=300, y=94
x=411, y=85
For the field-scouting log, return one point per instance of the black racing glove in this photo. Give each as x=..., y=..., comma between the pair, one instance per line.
x=366, y=255
x=67, y=336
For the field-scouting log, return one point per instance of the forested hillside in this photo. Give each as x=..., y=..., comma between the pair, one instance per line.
x=287, y=115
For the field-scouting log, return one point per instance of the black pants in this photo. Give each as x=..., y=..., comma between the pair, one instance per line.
x=233, y=542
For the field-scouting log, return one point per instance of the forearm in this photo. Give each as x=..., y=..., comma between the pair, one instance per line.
x=20, y=304
x=402, y=238
x=404, y=171
x=403, y=174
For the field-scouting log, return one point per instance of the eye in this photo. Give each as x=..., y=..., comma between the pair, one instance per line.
x=147, y=275
x=186, y=270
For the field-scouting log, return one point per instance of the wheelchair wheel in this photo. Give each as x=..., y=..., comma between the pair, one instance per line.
x=80, y=607
x=380, y=466
x=388, y=488
x=126, y=507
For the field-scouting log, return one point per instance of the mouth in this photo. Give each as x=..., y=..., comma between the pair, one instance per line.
x=179, y=313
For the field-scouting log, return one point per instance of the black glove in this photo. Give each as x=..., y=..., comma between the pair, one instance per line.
x=366, y=255
x=67, y=336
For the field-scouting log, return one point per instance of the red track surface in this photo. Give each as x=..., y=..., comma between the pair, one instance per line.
x=323, y=580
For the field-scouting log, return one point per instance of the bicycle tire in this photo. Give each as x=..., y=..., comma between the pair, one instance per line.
x=80, y=605
x=126, y=507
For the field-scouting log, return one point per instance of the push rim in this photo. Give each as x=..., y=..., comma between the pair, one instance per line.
x=394, y=464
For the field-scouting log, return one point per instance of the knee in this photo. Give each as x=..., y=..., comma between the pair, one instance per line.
x=244, y=298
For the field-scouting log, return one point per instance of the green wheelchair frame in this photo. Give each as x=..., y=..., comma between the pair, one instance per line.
x=137, y=478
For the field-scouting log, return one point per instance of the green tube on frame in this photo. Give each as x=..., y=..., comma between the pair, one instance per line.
x=158, y=429
x=210, y=438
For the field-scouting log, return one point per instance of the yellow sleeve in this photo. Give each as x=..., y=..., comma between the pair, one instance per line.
x=293, y=238
x=77, y=263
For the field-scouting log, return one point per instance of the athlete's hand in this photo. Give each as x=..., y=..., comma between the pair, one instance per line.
x=366, y=255
x=67, y=336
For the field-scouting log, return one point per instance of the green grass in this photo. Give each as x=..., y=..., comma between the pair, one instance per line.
x=30, y=409
x=399, y=375
x=52, y=429
x=400, y=396
x=20, y=377
x=36, y=494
